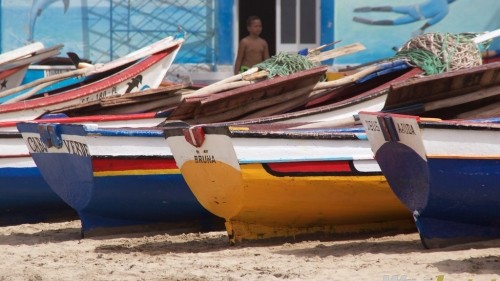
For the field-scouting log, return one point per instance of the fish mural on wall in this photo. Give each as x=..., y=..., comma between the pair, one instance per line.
x=433, y=11
x=383, y=26
x=36, y=10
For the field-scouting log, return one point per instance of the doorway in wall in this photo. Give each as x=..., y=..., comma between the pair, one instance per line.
x=266, y=10
x=298, y=24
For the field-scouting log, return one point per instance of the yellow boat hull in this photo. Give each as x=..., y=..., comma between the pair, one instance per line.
x=258, y=204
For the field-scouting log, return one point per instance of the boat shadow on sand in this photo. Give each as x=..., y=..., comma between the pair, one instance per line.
x=42, y=233
x=35, y=234
x=398, y=244
x=474, y=265
x=168, y=244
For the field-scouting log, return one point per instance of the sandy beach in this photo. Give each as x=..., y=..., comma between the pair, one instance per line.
x=55, y=251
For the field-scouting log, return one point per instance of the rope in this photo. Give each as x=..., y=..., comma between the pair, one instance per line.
x=284, y=64
x=442, y=52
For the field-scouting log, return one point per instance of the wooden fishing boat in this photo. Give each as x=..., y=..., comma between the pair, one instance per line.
x=447, y=95
x=110, y=171
x=25, y=197
x=258, y=97
x=446, y=173
x=290, y=93
x=117, y=180
x=109, y=159
x=270, y=181
x=218, y=162
x=127, y=154
x=182, y=102
x=161, y=99
x=139, y=70
x=392, y=86
x=158, y=99
x=14, y=64
x=267, y=93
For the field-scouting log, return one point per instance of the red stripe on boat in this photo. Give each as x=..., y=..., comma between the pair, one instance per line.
x=121, y=164
x=90, y=118
x=91, y=88
x=6, y=73
x=311, y=167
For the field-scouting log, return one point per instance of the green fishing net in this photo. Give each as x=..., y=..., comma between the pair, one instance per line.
x=442, y=52
x=284, y=64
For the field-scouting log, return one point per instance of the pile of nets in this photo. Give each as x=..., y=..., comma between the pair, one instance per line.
x=284, y=64
x=442, y=52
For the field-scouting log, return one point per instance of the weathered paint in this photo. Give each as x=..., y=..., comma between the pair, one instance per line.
x=445, y=172
x=113, y=192
x=255, y=200
x=286, y=198
x=150, y=67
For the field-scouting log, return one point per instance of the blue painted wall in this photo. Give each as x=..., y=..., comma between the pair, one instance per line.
x=327, y=32
x=336, y=21
x=224, y=31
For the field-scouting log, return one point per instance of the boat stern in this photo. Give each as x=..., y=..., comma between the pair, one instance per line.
x=209, y=165
x=63, y=161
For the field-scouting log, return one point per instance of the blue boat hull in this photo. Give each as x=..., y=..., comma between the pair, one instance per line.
x=125, y=200
x=453, y=200
x=26, y=198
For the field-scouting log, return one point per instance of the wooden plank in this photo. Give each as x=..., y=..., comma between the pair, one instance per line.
x=467, y=98
x=248, y=103
x=148, y=92
x=243, y=96
x=338, y=52
x=32, y=58
x=20, y=52
x=262, y=90
x=186, y=109
x=490, y=110
x=237, y=112
x=444, y=85
x=170, y=98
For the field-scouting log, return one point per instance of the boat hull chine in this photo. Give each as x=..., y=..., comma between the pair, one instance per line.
x=438, y=233
x=310, y=205
x=144, y=200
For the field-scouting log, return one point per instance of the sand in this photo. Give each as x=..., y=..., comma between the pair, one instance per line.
x=55, y=251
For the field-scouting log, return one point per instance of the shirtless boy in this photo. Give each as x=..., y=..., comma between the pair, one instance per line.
x=252, y=49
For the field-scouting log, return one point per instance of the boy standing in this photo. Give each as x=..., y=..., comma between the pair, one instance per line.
x=252, y=49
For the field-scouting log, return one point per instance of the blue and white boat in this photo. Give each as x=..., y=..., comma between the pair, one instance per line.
x=117, y=180
x=25, y=197
x=447, y=173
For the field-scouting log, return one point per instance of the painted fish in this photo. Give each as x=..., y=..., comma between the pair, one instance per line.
x=36, y=10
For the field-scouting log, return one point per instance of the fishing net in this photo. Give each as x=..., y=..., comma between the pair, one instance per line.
x=441, y=52
x=284, y=64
